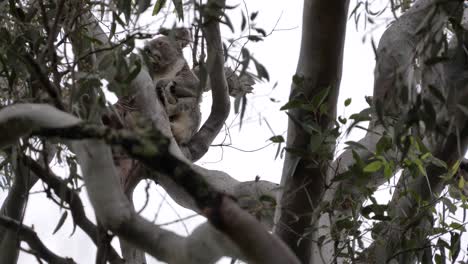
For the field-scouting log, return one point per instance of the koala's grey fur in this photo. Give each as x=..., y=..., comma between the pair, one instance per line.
x=176, y=85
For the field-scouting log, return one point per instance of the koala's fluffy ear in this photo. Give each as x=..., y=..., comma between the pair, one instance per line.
x=182, y=36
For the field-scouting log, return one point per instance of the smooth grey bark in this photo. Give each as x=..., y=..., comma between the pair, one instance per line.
x=202, y=140
x=320, y=63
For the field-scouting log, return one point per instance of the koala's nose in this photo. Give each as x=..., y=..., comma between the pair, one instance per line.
x=147, y=49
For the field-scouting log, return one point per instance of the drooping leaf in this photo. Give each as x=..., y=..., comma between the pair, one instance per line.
x=179, y=9
x=143, y=5
x=373, y=166
x=254, y=38
x=355, y=145
x=261, y=31
x=244, y=22
x=253, y=15
x=261, y=70
x=60, y=222
x=436, y=93
x=454, y=245
x=158, y=6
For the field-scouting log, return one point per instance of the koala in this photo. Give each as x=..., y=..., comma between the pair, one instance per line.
x=176, y=85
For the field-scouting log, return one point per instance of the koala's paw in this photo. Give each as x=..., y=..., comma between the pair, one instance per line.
x=166, y=92
x=170, y=91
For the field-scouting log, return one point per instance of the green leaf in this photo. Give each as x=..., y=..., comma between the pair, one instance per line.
x=461, y=183
x=450, y=206
x=373, y=166
x=357, y=159
x=383, y=145
x=253, y=15
x=436, y=93
x=261, y=70
x=292, y=105
x=261, y=31
x=347, y=102
x=454, y=168
x=457, y=226
x=342, y=120
x=320, y=98
x=143, y=5
x=277, y=139
x=179, y=9
x=420, y=166
x=158, y=6
x=298, y=80
x=454, y=245
x=60, y=222
x=227, y=22
x=388, y=171
x=244, y=21
x=355, y=145
x=316, y=141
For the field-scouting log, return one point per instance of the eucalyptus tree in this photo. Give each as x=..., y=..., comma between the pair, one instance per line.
x=55, y=59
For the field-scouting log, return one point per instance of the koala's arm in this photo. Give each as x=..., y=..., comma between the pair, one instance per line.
x=237, y=85
x=185, y=117
x=184, y=84
x=187, y=83
x=187, y=104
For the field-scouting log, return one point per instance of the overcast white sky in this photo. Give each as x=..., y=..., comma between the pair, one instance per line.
x=279, y=53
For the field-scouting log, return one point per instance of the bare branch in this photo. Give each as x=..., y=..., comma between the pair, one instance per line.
x=29, y=236
x=72, y=198
x=201, y=141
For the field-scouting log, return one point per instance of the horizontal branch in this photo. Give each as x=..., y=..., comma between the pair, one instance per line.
x=112, y=207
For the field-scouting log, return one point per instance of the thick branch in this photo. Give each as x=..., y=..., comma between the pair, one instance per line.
x=320, y=63
x=201, y=141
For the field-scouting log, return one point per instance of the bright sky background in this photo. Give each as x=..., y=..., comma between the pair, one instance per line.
x=279, y=53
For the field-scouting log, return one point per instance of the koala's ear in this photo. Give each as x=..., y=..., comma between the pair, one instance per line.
x=183, y=36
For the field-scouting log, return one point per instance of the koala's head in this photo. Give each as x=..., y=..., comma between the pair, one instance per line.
x=164, y=51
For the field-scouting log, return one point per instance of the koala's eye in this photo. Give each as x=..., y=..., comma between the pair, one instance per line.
x=147, y=49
